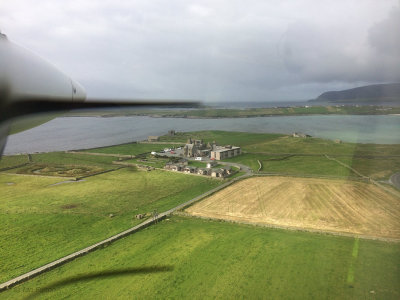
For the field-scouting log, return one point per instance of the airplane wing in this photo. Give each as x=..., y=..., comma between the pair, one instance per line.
x=30, y=84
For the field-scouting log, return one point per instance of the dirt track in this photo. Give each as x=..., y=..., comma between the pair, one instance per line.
x=322, y=204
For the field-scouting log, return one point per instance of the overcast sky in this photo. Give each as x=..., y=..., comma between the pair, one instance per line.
x=212, y=50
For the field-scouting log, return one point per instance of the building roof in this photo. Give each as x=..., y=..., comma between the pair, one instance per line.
x=190, y=167
x=223, y=149
x=226, y=168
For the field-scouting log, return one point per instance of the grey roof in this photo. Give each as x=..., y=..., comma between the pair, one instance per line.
x=226, y=149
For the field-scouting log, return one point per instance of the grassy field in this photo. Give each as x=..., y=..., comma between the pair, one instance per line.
x=295, y=165
x=223, y=137
x=309, y=165
x=131, y=149
x=58, y=158
x=322, y=204
x=184, y=258
x=376, y=168
x=280, y=154
x=149, y=160
x=58, y=170
x=291, y=145
x=268, y=143
x=43, y=220
x=198, y=164
x=12, y=160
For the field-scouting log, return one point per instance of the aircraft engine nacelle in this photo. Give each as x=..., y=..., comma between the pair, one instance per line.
x=26, y=76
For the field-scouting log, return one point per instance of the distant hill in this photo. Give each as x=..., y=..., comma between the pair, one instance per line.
x=371, y=94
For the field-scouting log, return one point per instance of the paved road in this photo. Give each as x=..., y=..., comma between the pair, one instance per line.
x=244, y=168
x=395, y=180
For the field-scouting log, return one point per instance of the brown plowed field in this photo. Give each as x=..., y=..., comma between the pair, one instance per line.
x=321, y=204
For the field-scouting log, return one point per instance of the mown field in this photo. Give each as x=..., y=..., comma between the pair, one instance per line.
x=188, y=258
x=307, y=203
x=43, y=219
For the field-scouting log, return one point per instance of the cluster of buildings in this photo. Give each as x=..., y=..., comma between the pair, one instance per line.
x=197, y=148
x=183, y=166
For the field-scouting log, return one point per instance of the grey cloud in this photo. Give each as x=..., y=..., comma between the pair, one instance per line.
x=384, y=36
x=384, y=39
x=210, y=50
x=332, y=54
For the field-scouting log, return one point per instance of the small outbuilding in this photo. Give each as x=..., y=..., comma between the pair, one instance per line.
x=190, y=169
x=217, y=173
x=203, y=171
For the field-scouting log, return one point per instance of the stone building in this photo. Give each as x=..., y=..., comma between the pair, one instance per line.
x=195, y=148
x=225, y=152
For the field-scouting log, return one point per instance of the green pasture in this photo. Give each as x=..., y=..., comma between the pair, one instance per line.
x=292, y=145
x=74, y=159
x=222, y=137
x=42, y=220
x=308, y=165
x=269, y=143
x=188, y=258
x=294, y=165
x=58, y=170
x=198, y=164
x=131, y=148
x=149, y=160
x=12, y=160
x=376, y=168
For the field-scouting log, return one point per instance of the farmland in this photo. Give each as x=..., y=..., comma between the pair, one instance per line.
x=131, y=148
x=319, y=204
x=44, y=218
x=283, y=154
x=186, y=258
